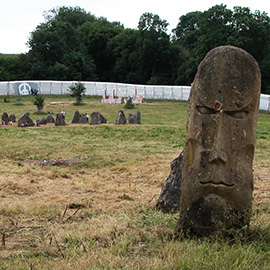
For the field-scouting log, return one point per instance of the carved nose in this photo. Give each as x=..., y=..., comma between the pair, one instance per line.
x=218, y=155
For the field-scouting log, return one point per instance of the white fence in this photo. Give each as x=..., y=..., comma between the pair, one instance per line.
x=97, y=89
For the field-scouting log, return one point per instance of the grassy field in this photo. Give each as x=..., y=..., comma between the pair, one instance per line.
x=83, y=197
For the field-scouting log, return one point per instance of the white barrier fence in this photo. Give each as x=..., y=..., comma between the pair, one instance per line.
x=97, y=89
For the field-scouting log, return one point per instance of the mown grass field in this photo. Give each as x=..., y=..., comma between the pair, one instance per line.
x=94, y=207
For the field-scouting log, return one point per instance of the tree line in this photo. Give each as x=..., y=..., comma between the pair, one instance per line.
x=72, y=44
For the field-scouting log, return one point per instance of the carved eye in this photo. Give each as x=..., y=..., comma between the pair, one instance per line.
x=205, y=110
x=238, y=114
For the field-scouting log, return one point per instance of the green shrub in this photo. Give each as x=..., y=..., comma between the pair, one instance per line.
x=129, y=104
x=77, y=90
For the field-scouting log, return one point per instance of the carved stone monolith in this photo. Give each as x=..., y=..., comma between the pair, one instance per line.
x=135, y=118
x=25, y=121
x=97, y=118
x=43, y=121
x=121, y=118
x=60, y=119
x=217, y=177
x=50, y=119
x=5, y=118
x=12, y=118
x=76, y=118
x=83, y=119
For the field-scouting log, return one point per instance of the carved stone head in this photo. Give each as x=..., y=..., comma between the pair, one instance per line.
x=217, y=177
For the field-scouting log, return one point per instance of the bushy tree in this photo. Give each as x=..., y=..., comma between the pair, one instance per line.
x=199, y=32
x=39, y=102
x=77, y=90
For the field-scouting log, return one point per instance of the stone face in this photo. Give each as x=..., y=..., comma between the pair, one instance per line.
x=76, y=118
x=25, y=121
x=169, y=198
x=50, y=119
x=97, y=118
x=60, y=120
x=12, y=118
x=5, y=118
x=135, y=118
x=217, y=178
x=121, y=118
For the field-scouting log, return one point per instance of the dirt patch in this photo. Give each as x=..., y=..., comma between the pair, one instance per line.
x=54, y=162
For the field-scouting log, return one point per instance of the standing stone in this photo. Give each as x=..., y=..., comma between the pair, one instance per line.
x=135, y=118
x=121, y=118
x=50, y=119
x=60, y=120
x=102, y=119
x=43, y=121
x=169, y=198
x=12, y=118
x=76, y=118
x=217, y=177
x=5, y=118
x=97, y=118
x=139, y=117
x=25, y=121
x=83, y=119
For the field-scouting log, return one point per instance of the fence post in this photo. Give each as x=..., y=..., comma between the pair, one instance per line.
x=268, y=105
x=153, y=92
x=8, y=88
x=40, y=88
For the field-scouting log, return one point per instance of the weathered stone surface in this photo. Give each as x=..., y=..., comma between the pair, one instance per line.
x=76, y=118
x=60, y=119
x=217, y=177
x=43, y=121
x=121, y=118
x=97, y=118
x=12, y=118
x=135, y=118
x=139, y=117
x=5, y=118
x=25, y=121
x=169, y=198
x=83, y=119
x=102, y=119
x=50, y=119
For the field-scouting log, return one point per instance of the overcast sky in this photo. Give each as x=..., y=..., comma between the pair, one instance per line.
x=18, y=18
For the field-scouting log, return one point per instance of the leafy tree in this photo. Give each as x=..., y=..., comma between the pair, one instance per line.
x=199, y=32
x=56, y=45
x=123, y=54
x=39, y=102
x=96, y=36
x=14, y=67
x=73, y=44
x=77, y=90
x=129, y=104
x=154, y=53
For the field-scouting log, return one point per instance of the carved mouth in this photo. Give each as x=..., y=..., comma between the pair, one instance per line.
x=216, y=184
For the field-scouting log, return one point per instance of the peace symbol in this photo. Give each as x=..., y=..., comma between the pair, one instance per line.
x=24, y=89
